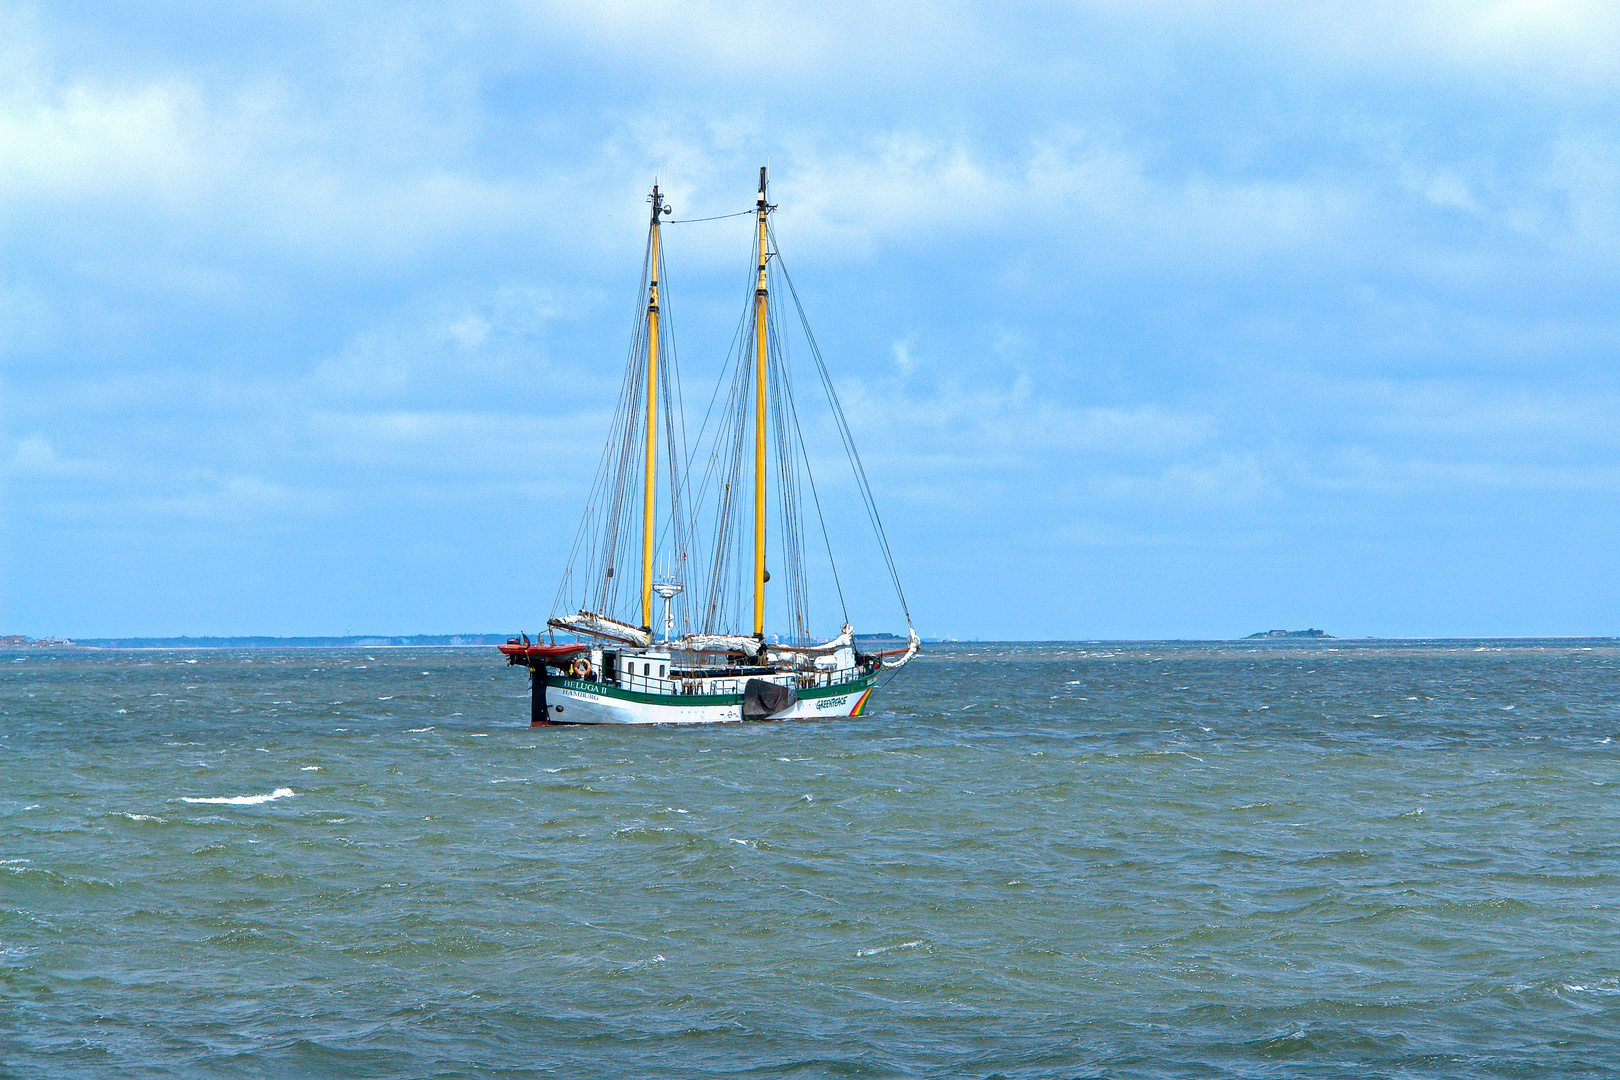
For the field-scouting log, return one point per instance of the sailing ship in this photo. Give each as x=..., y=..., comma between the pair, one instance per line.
x=705, y=555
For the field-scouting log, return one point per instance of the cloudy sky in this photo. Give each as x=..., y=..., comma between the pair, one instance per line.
x=1180, y=319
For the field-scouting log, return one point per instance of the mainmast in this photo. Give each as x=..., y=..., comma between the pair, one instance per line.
x=762, y=208
x=650, y=479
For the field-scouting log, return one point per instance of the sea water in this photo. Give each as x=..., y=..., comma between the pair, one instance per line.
x=1317, y=859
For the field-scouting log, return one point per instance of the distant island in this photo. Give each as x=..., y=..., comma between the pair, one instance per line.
x=1290, y=633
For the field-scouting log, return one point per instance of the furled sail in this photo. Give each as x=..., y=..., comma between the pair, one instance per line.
x=588, y=622
x=806, y=654
x=913, y=643
x=718, y=643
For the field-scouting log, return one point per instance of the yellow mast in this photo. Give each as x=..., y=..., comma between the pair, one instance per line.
x=762, y=208
x=650, y=480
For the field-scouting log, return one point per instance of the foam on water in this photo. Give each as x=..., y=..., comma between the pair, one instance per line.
x=242, y=800
x=888, y=948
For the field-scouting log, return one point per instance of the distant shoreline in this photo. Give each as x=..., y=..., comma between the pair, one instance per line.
x=472, y=641
x=365, y=641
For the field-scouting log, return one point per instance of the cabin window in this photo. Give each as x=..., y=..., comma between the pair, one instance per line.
x=661, y=670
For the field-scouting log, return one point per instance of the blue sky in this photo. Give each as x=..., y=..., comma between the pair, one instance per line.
x=1152, y=319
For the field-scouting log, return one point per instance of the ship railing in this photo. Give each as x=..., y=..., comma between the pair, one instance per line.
x=804, y=680
x=643, y=684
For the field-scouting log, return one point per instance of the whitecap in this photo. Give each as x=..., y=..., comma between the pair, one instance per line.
x=310, y=768
x=243, y=800
x=145, y=817
x=416, y=730
x=887, y=948
x=1576, y=988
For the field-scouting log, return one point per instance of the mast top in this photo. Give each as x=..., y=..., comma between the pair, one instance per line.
x=659, y=206
x=760, y=205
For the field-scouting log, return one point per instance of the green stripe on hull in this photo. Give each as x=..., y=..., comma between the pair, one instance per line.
x=601, y=690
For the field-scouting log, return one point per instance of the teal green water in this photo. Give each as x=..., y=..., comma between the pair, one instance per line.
x=1327, y=859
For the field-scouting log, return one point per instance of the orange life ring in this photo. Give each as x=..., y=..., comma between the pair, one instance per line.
x=581, y=667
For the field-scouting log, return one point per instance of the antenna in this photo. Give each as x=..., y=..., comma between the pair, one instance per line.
x=667, y=590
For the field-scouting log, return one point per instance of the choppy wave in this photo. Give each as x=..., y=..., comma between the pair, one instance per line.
x=889, y=948
x=241, y=800
x=1047, y=884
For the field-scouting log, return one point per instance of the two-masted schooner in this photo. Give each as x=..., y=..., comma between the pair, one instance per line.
x=707, y=551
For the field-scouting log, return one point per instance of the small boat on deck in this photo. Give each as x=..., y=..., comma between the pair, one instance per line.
x=712, y=662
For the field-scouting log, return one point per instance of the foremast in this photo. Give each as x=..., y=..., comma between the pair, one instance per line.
x=761, y=209
x=649, y=488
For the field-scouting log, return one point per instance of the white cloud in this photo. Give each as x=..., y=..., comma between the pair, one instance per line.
x=1542, y=43
x=435, y=443
x=210, y=497
x=34, y=455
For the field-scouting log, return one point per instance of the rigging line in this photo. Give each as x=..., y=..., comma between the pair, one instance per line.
x=792, y=516
x=673, y=411
x=815, y=497
x=628, y=431
x=617, y=459
x=721, y=217
x=709, y=411
x=674, y=523
x=849, y=442
x=599, y=490
x=723, y=469
x=680, y=394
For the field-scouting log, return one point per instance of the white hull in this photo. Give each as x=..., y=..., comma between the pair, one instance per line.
x=568, y=704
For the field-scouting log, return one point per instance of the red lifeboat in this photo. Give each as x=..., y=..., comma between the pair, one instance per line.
x=521, y=650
